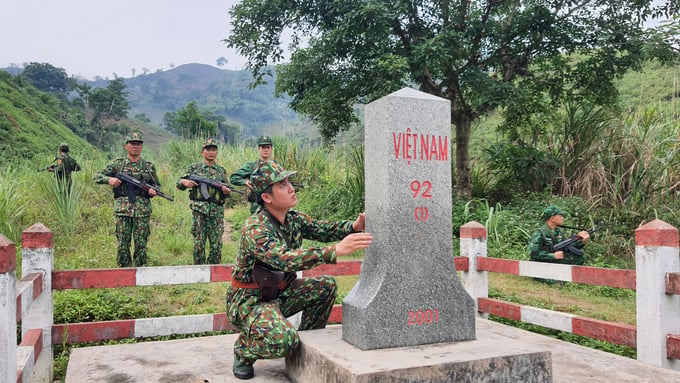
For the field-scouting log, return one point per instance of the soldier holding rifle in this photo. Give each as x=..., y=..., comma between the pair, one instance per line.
x=544, y=239
x=64, y=166
x=207, y=204
x=132, y=213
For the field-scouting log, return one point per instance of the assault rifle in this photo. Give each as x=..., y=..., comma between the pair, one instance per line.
x=139, y=185
x=568, y=244
x=48, y=167
x=205, y=182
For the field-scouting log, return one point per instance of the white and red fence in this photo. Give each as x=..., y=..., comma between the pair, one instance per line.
x=656, y=281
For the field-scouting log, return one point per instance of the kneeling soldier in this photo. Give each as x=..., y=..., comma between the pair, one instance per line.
x=264, y=288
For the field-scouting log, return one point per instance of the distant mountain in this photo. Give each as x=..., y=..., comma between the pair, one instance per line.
x=223, y=92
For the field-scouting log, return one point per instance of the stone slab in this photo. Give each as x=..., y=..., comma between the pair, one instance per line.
x=325, y=357
x=195, y=360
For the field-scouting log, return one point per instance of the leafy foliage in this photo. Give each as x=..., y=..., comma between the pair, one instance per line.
x=524, y=57
x=47, y=78
x=190, y=122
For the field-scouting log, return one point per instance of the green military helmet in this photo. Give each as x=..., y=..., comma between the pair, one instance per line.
x=268, y=173
x=63, y=147
x=551, y=211
x=135, y=136
x=264, y=140
x=209, y=142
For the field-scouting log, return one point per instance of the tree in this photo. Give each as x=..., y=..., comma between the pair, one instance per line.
x=191, y=122
x=521, y=56
x=47, y=78
x=110, y=102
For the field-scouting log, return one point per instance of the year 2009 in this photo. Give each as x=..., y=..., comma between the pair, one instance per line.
x=423, y=317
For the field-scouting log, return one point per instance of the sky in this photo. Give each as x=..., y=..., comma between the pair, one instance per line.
x=89, y=38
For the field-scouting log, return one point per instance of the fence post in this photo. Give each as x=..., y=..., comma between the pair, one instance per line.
x=658, y=313
x=473, y=245
x=37, y=257
x=8, y=310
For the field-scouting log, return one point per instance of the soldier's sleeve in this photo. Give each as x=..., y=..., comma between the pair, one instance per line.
x=186, y=175
x=242, y=175
x=154, y=176
x=322, y=231
x=102, y=176
x=537, y=251
x=223, y=175
x=59, y=166
x=261, y=241
x=579, y=244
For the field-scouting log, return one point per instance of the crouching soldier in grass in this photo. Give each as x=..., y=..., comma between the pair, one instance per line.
x=264, y=288
x=550, y=234
x=208, y=214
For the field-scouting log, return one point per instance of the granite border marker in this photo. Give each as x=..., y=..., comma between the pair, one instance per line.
x=408, y=292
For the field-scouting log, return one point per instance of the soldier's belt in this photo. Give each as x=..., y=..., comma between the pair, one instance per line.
x=252, y=285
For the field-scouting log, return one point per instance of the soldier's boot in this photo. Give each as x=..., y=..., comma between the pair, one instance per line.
x=243, y=369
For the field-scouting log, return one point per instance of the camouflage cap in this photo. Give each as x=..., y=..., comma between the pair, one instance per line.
x=268, y=173
x=209, y=142
x=136, y=136
x=63, y=147
x=552, y=210
x=264, y=140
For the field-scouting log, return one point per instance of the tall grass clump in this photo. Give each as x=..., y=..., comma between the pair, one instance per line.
x=339, y=194
x=11, y=203
x=64, y=203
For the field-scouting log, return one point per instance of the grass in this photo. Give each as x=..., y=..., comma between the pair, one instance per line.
x=603, y=303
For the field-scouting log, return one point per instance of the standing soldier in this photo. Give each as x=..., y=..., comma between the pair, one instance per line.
x=264, y=288
x=132, y=217
x=242, y=176
x=208, y=214
x=64, y=166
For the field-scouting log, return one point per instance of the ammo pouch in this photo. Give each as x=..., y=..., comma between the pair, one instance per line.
x=270, y=282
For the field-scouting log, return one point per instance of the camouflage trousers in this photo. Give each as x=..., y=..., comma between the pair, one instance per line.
x=265, y=332
x=205, y=227
x=128, y=228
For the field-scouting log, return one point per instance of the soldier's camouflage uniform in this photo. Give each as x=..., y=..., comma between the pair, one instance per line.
x=240, y=176
x=541, y=243
x=132, y=218
x=208, y=215
x=265, y=332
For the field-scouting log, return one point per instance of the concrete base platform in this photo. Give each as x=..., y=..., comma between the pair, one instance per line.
x=196, y=360
x=324, y=357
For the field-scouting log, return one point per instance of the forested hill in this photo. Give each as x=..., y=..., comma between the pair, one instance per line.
x=32, y=123
x=223, y=92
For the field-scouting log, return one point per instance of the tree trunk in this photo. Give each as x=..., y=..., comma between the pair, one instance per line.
x=463, y=125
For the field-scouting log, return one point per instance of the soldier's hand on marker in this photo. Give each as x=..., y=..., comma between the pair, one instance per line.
x=152, y=193
x=225, y=190
x=584, y=234
x=114, y=182
x=352, y=243
x=188, y=183
x=559, y=255
x=360, y=223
